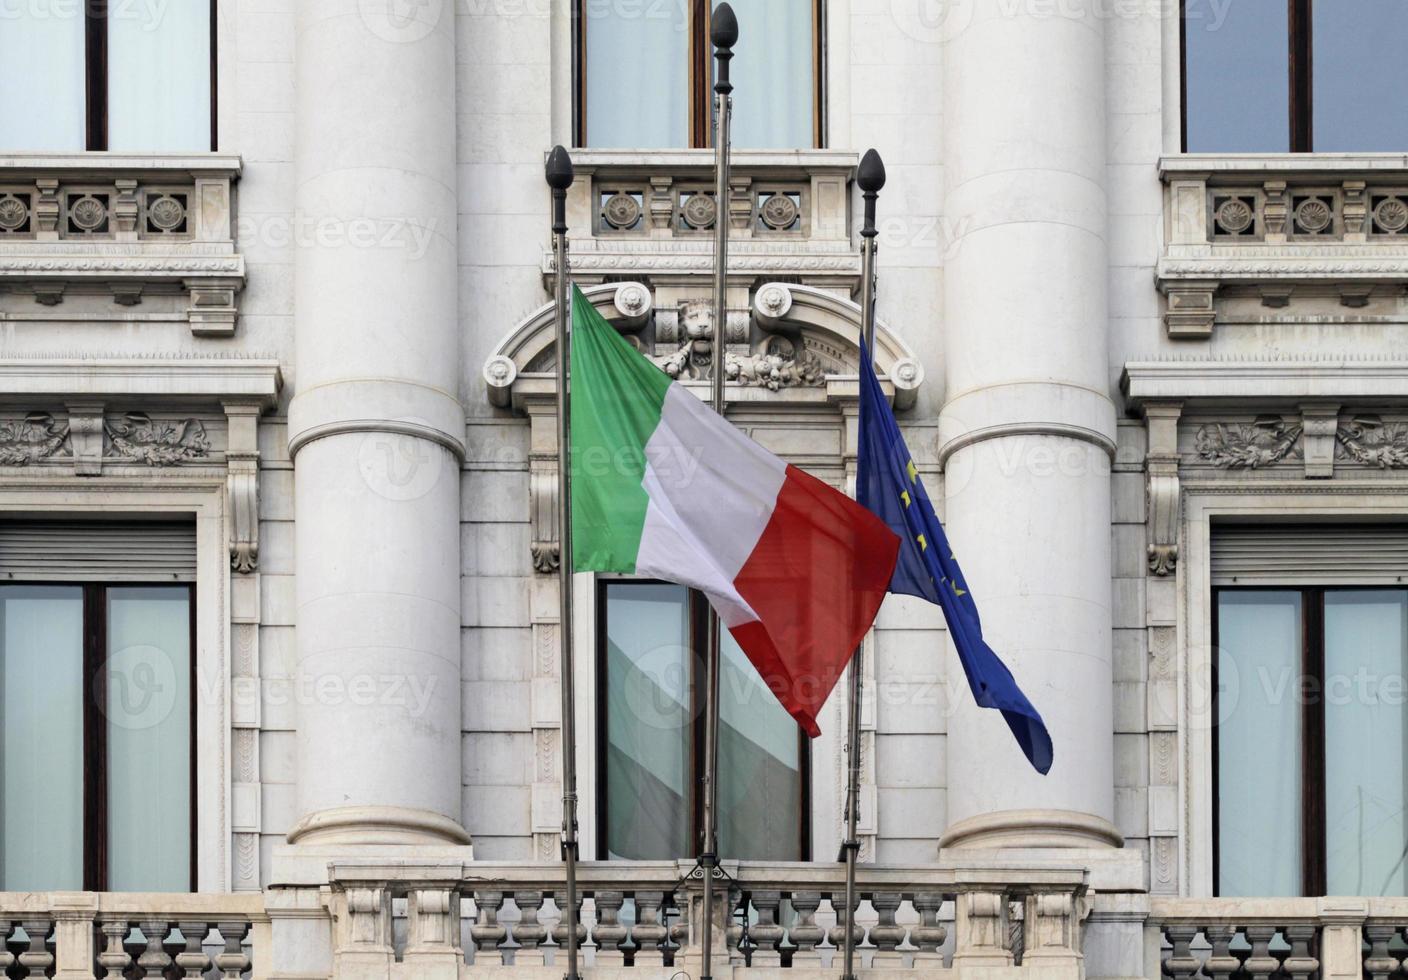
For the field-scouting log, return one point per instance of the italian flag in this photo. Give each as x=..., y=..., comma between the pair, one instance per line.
x=662, y=487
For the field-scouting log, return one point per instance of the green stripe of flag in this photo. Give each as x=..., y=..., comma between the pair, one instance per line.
x=616, y=400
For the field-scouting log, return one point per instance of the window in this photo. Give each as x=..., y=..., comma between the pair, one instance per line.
x=1311, y=743
x=645, y=74
x=651, y=731
x=96, y=738
x=94, y=75
x=1272, y=76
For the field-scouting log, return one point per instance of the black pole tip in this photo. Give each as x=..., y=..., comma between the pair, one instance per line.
x=871, y=176
x=723, y=30
x=559, y=171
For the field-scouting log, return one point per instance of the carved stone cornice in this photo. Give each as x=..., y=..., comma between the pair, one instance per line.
x=1292, y=380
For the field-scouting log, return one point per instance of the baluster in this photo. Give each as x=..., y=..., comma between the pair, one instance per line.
x=1180, y=963
x=609, y=932
x=1298, y=963
x=7, y=958
x=529, y=933
x=1379, y=963
x=559, y=929
x=486, y=932
x=735, y=911
x=36, y=959
x=114, y=959
x=806, y=934
x=678, y=931
x=837, y=933
x=766, y=933
x=232, y=961
x=649, y=933
x=1261, y=964
x=154, y=959
x=886, y=934
x=192, y=959
x=1221, y=964
x=929, y=935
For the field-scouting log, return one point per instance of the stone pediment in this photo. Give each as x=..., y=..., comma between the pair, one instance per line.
x=794, y=344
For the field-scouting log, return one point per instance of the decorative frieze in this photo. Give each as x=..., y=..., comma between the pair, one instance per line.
x=158, y=442
x=35, y=437
x=1249, y=445
x=125, y=228
x=1368, y=439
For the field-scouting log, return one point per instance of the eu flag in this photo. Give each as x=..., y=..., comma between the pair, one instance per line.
x=889, y=486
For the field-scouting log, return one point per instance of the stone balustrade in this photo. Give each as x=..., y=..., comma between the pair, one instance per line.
x=650, y=216
x=646, y=916
x=1270, y=228
x=87, y=935
x=101, y=234
x=1278, y=939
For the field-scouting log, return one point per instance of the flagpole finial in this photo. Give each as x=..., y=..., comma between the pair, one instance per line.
x=559, y=174
x=723, y=32
x=871, y=178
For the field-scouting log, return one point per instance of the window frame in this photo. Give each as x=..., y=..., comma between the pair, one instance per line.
x=698, y=632
x=95, y=774
x=1311, y=667
x=1300, y=66
x=701, y=78
x=95, y=86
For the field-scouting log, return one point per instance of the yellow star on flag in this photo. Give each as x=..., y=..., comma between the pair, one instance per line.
x=913, y=471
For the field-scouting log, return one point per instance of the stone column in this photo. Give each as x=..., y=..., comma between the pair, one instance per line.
x=1028, y=429
x=376, y=427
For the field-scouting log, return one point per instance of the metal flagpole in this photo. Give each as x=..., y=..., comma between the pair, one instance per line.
x=724, y=34
x=559, y=177
x=871, y=178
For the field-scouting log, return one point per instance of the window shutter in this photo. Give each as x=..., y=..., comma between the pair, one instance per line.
x=1309, y=554
x=97, y=551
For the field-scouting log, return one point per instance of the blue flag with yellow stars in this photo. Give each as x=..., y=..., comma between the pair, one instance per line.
x=888, y=485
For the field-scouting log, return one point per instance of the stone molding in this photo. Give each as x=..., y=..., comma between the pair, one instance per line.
x=124, y=226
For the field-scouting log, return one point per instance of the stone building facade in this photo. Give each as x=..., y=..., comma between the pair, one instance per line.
x=297, y=380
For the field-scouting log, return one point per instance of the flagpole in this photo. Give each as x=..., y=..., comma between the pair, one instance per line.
x=559, y=176
x=724, y=34
x=871, y=178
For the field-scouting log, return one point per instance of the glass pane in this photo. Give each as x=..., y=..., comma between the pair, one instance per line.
x=149, y=739
x=1361, y=77
x=1366, y=654
x=773, y=72
x=637, y=74
x=760, y=772
x=1238, y=76
x=1258, y=743
x=159, y=77
x=41, y=738
x=42, y=77
x=648, y=721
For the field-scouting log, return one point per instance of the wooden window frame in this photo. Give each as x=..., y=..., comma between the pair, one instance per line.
x=1300, y=116
x=698, y=629
x=95, y=109
x=95, y=724
x=701, y=75
x=1311, y=668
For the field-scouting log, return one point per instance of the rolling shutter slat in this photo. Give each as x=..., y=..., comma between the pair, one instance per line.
x=97, y=551
x=1360, y=554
